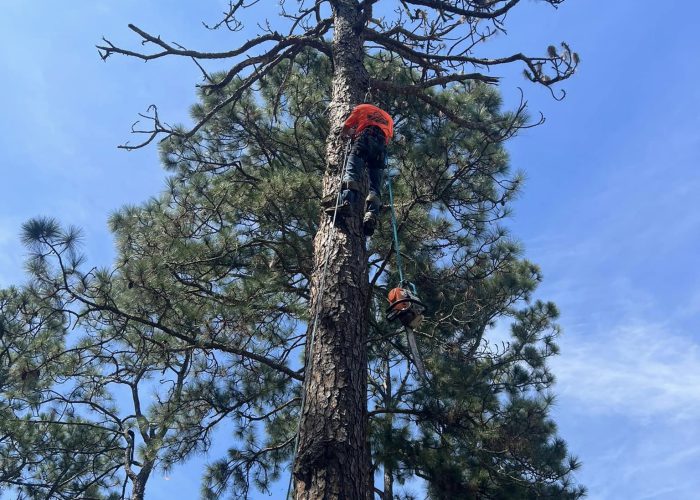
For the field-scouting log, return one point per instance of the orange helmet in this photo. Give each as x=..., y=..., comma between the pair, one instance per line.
x=365, y=115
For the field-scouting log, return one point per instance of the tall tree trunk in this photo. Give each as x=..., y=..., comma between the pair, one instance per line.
x=332, y=456
x=388, y=430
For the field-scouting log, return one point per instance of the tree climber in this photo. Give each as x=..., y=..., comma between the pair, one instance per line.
x=370, y=129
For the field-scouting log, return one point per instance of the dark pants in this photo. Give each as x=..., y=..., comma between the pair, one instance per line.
x=368, y=151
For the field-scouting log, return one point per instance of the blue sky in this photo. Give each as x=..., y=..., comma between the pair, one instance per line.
x=608, y=210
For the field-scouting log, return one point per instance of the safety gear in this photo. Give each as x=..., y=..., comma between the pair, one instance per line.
x=366, y=115
x=369, y=223
x=331, y=205
x=348, y=196
x=373, y=203
x=406, y=307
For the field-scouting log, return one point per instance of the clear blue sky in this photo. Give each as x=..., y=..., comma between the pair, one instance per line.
x=608, y=211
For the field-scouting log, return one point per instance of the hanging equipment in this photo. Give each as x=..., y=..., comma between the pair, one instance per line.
x=404, y=304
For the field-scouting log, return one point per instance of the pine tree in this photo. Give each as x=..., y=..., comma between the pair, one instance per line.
x=434, y=38
x=219, y=277
x=46, y=449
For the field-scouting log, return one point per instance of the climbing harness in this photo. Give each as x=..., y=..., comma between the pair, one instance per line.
x=404, y=304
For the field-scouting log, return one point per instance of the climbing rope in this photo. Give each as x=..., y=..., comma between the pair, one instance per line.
x=321, y=289
x=410, y=337
x=368, y=94
x=395, y=231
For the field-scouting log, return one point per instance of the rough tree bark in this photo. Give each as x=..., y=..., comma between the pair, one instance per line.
x=388, y=492
x=332, y=459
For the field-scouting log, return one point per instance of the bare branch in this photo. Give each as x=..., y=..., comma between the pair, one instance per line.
x=487, y=11
x=170, y=50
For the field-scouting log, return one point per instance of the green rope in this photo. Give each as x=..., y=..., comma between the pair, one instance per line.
x=394, y=227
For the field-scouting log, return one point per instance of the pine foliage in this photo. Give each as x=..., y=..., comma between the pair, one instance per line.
x=199, y=324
